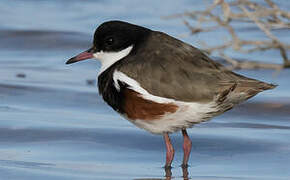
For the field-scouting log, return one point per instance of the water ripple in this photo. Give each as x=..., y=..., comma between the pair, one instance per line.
x=42, y=40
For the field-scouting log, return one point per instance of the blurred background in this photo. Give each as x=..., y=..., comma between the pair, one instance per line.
x=54, y=125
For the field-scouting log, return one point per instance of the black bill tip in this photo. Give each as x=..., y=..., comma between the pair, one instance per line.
x=71, y=60
x=82, y=56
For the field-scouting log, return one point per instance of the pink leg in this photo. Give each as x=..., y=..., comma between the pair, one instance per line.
x=169, y=151
x=186, y=148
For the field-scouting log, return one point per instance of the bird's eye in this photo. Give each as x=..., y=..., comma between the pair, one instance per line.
x=110, y=41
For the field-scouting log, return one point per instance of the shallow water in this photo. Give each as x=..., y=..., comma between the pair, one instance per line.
x=54, y=125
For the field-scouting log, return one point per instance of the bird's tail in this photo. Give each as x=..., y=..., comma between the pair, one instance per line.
x=251, y=88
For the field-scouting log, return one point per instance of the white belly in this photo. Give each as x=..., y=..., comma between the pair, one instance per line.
x=186, y=116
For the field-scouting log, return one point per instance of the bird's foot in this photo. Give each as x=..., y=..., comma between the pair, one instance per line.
x=185, y=171
x=183, y=166
x=167, y=169
x=167, y=166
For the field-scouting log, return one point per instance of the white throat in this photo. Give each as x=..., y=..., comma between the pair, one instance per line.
x=109, y=58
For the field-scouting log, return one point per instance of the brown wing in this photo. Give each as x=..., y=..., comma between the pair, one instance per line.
x=167, y=67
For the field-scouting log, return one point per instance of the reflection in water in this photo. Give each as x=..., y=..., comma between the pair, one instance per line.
x=185, y=173
x=168, y=174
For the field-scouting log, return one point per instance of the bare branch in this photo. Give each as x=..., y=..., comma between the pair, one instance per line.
x=265, y=17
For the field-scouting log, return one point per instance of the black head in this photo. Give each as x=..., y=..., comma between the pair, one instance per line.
x=117, y=35
x=113, y=36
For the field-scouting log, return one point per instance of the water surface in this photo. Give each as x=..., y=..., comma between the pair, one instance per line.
x=54, y=125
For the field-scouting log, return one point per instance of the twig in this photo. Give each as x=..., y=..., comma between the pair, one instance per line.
x=265, y=17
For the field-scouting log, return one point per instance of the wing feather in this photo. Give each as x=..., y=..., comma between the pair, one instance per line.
x=170, y=68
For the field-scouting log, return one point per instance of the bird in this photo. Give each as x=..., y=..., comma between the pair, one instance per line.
x=162, y=84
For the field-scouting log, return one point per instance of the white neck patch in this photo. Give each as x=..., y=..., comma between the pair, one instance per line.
x=109, y=58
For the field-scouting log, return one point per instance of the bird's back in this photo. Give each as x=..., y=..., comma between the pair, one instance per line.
x=170, y=68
